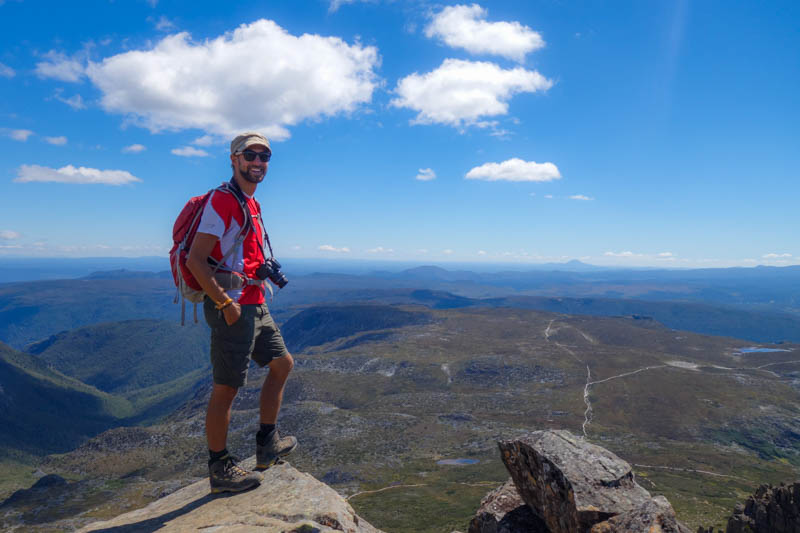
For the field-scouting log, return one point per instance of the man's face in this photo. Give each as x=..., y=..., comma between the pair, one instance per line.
x=252, y=171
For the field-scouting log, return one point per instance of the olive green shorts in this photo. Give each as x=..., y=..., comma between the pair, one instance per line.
x=254, y=336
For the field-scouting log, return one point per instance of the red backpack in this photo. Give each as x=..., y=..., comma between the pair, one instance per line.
x=183, y=232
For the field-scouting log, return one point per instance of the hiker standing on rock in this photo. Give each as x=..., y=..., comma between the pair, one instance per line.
x=227, y=259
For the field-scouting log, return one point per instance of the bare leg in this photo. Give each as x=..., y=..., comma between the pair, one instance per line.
x=218, y=416
x=272, y=389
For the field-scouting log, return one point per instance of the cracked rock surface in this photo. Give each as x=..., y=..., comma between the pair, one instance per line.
x=286, y=500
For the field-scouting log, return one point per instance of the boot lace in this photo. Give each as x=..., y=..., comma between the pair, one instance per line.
x=234, y=469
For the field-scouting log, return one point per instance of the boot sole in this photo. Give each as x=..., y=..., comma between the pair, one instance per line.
x=218, y=490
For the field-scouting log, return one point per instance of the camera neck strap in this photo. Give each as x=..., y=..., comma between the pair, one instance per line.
x=239, y=194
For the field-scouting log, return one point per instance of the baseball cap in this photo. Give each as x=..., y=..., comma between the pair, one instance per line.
x=246, y=139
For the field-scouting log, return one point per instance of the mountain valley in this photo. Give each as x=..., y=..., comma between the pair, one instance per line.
x=377, y=407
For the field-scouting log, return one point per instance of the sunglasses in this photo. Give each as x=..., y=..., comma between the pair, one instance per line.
x=250, y=155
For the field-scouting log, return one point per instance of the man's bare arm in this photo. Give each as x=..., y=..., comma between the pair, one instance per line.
x=197, y=262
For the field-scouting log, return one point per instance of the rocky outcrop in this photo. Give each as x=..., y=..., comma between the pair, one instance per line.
x=570, y=486
x=287, y=500
x=770, y=509
x=503, y=511
x=654, y=516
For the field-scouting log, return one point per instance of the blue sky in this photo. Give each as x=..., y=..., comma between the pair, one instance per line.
x=660, y=133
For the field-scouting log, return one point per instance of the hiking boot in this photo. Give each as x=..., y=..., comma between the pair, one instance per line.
x=273, y=449
x=226, y=476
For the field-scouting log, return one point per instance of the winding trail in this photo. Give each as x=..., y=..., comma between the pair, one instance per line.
x=385, y=488
x=706, y=472
x=588, y=413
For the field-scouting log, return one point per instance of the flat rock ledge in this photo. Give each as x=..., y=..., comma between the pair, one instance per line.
x=569, y=485
x=286, y=501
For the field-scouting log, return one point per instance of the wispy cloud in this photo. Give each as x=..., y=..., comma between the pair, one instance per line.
x=329, y=248
x=9, y=235
x=464, y=93
x=59, y=66
x=6, y=71
x=336, y=4
x=189, y=151
x=336, y=78
x=164, y=24
x=58, y=141
x=71, y=174
x=426, y=174
x=75, y=101
x=19, y=135
x=515, y=169
x=622, y=254
x=776, y=256
x=134, y=149
x=580, y=197
x=380, y=250
x=205, y=140
x=463, y=26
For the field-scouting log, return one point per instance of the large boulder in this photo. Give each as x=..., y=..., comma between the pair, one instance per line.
x=654, y=516
x=503, y=511
x=573, y=485
x=769, y=510
x=287, y=500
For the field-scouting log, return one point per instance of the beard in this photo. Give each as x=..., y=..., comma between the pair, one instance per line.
x=252, y=179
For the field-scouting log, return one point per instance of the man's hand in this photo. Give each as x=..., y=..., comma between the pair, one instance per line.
x=232, y=313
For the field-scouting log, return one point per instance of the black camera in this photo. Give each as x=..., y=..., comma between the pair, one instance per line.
x=271, y=269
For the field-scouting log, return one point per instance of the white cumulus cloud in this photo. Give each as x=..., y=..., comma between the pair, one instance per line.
x=329, y=248
x=61, y=67
x=257, y=77
x=58, y=141
x=6, y=71
x=463, y=26
x=461, y=93
x=71, y=174
x=426, y=174
x=134, y=149
x=20, y=135
x=515, y=169
x=8, y=235
x=189, y=151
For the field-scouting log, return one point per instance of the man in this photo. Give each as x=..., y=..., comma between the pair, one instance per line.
x=241, y=326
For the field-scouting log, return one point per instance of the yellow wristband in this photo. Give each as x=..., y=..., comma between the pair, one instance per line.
x=225, y=304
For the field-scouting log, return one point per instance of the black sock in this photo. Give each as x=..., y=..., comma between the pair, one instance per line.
x=265, y=431
x=213, y=456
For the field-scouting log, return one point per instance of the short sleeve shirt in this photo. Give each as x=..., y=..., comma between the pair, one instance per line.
x=223, y=218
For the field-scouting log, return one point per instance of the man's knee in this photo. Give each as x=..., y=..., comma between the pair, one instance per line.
x=281, y=366
x=222, y=394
